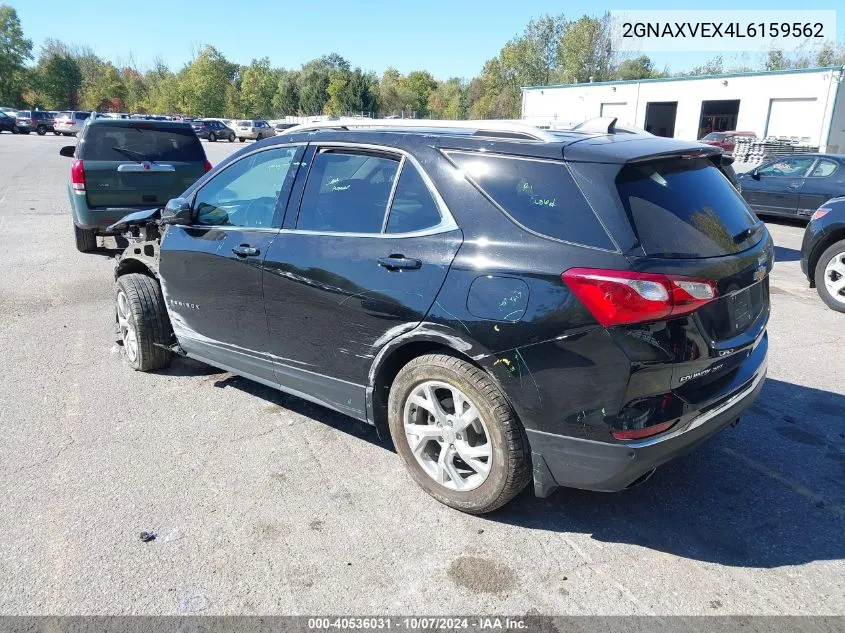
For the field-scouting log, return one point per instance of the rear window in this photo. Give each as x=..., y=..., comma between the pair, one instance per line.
x=684, y=208
x=122, y=143
x=539, y=195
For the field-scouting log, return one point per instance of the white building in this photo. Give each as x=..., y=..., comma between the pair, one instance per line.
x=808, y=103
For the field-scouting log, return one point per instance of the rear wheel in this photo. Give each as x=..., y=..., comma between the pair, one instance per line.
x=259, y=137
x=231, y=137
x=56, y=133
x=456, y=433
x=830, y=276
x=15, y=129
x=86, y=240
x=41, y=130
x=212, y=137
x=142, y=322
x=241, y=139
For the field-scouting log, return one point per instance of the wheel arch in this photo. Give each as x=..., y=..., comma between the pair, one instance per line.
x=827, y=240
x=426, y=339
x=139, y=258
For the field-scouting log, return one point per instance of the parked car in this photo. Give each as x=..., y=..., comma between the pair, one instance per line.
x=256, y=128
x=794, y=186
x=8, y=123
x=36, y=120
x=123, y=164
x=823, y=253
x=70, y=123
x=501, y=312
x=725, y=140
x=282, y=127
x=213, y=130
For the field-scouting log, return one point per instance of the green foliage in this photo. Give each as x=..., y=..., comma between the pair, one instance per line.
x=258, y=86
x=57, y=77
x=637, y=68
x=202, y=83
x=15, y=51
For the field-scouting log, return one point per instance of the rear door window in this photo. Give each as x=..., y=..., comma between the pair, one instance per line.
x=347, y=192
x=539, y=195
x=141, y=143
x=685, y=208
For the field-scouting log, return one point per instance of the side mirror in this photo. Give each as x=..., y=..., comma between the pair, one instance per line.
x=67, y=151
x=755, y=174
x=177, y=211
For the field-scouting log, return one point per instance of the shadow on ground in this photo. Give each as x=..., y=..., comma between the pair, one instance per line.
x=768, y=493
x=783, y=254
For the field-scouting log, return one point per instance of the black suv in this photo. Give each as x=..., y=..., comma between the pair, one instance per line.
x=508, y=303
x=212, y=130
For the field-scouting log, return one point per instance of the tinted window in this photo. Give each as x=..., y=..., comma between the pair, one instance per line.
x=82, y=115
x=824, y=168
x=123, y=143
x=684, y=208
x=347, y=192
x=245, y=193
x=413, y=207
x=793, y=167
x=539, y=195
x=713, y=136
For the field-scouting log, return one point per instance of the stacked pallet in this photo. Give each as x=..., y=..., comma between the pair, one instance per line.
x=756, y=151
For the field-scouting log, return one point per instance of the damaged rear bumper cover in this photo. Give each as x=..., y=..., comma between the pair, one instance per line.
x=604, y=467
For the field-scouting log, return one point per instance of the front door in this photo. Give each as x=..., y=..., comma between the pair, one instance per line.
x=212, y=270
x=362, y=262
x=778, y=186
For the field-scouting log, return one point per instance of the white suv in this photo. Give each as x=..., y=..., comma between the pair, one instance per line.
x=257, y=129
x=69, y=123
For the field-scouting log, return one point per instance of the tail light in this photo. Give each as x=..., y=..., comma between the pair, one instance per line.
x=618, y=297
x=208, y=166
x=638, y=434
x=820, y=213
x=77, y=175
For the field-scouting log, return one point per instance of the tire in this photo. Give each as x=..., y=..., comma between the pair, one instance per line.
x=25, y=132
x=259, y=137
x=15, y=130
x=834, y=252
x=212, y=137
x=141, y=317
x=232, y=137
x=86, y=239
x=41, y=130
x=241, y=139
x=509, y=462
x=56, y=133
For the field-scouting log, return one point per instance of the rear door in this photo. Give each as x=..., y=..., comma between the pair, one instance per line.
x=345, y=276
x=826, y=180
x=139, y=164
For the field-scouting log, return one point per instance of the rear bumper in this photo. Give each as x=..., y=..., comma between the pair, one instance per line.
x=99, y=220
x=590, y=465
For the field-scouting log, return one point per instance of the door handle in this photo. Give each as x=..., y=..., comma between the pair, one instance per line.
x=793, y=186
x=245, y=250
x=399, y=262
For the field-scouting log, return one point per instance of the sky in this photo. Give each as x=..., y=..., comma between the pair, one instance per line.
x=446, y=37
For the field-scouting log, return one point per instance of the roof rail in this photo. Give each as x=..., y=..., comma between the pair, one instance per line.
x=507, y=129
x=600, y=125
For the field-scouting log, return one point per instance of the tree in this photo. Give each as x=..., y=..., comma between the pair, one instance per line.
x=203, y=83
x=15, y=51
x=136, y=89
x=713, y=66
x=312, y=85
x=105, y=87
x=286, y=97
x=637, y=68
x=445, y=101
x=162, y=89
x=585, y=52
x=421, y=84
x=57, y=77
x=776, y=60
x=394, y=96
x=258, y=86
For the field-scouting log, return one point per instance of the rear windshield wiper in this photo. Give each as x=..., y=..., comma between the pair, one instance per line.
x=744, y=234
x=131, y=153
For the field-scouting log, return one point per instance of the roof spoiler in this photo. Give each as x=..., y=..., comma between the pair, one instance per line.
x=599, y=125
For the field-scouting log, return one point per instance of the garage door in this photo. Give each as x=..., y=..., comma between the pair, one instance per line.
x=793, y=117
x=619, y=110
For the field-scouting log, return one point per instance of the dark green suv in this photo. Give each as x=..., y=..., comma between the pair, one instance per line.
x=122, y=165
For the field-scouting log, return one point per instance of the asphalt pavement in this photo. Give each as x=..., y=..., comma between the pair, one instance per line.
x=262, y=503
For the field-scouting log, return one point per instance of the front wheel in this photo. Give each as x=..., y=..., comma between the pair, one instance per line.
x=241, y=139
x=212, y=137
x=456, y=433
x=41, y=130
x=259, y=137
x=830, y=276
x=232, y=137
x=142, y=322
x=15, y=130
x=56, y=133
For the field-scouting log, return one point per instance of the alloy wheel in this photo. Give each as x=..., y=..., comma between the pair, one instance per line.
x=126, y=326
x=447, y=436
x=834, y=277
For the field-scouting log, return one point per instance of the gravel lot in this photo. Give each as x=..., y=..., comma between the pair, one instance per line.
x=265, y=504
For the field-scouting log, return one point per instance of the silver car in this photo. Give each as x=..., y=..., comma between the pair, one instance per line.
x=255, y=128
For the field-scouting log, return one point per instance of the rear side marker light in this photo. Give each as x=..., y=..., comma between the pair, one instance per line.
x=820, y=213
x=619, y=297
x=638, y=434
